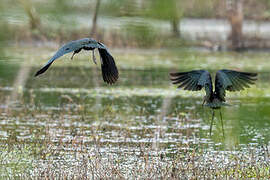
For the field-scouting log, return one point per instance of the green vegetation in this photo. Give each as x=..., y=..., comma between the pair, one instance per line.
x=170, y=10
x=66, y=124
x=58, y=20
x=184, y=58
x=58, y=128
x=142, y=33
x=92, y=164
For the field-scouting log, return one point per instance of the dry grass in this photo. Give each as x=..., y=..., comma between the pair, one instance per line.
x=97, y=161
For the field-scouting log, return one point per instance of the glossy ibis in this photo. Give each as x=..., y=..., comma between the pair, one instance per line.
x=225, y=80
x=108, y=67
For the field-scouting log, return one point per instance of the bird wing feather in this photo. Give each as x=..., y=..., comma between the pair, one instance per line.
x=108, y=67
x=67, y=48
x=94, y=44
x=109, y=70
x=193, y=80
x=232, y=81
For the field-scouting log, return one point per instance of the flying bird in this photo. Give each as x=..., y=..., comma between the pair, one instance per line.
x=225, y=80
x=108, y=67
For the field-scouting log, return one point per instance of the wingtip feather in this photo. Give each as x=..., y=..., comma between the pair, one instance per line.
x=43, y=69
x=109, y=69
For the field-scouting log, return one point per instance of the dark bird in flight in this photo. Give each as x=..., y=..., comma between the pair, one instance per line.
x=108, y=67
x=225, y=80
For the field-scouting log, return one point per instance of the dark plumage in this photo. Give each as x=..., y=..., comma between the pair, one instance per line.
x=225, y=80
x=108, y=67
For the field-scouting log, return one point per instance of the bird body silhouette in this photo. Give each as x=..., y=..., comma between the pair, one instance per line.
x=225, y=80
x=108, y=67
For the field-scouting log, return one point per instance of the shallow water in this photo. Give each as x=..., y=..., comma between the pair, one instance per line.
x=135, y=104
x=70, y=108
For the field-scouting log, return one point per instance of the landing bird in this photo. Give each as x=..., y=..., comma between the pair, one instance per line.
x=225, y=80
x=108, y=67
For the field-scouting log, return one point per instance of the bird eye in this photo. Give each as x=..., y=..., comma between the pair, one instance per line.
x=67, y=49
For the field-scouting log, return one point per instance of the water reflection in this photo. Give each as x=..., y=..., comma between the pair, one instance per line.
x=54, y=120
x=131, y=119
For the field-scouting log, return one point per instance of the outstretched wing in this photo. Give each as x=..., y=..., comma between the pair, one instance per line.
x=67, y=48
x=108, y=67
x=193, y=80
x=232, y=81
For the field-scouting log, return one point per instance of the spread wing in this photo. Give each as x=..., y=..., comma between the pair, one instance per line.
x=108, y=67
x=58, y=54
x=193, y=80
x=232, y=81
x=67, y=48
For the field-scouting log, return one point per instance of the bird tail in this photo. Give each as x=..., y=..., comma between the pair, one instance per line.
x=108, y=67
x=44, y=68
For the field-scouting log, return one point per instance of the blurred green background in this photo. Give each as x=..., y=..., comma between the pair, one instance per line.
x=69, y=123
x=133, y=23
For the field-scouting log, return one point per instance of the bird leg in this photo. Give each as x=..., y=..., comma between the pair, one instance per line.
x=221, y=122
x=94, y=57
x=213, y=115
x=203, y=102
x=75, y=52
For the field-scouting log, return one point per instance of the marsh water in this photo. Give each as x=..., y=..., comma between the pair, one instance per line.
x=66, y=100
x=68, y=124
x=71, y=105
